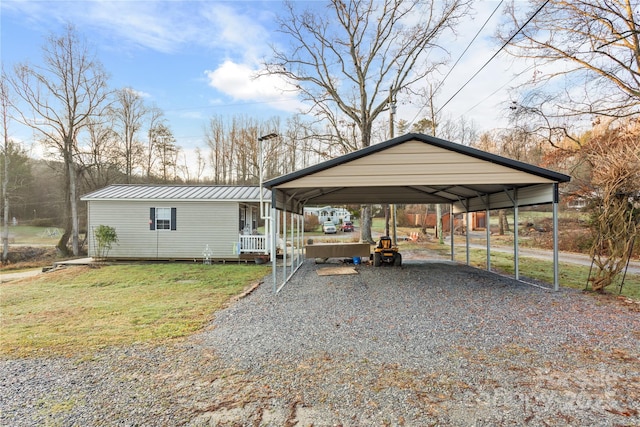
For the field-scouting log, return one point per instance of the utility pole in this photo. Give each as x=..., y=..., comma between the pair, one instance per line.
x=439, y=233
x=392, y=113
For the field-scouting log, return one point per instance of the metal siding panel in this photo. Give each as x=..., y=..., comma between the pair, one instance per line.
x=452, y=178
x=533, y=195
x=445, y=163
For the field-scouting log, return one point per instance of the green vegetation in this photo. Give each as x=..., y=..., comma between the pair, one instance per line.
x=81, y=309
x=105, y=237
x=31, y=235
x=571, y=275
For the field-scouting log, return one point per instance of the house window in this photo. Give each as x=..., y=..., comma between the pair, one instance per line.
x=162, y=219
x=243, y=218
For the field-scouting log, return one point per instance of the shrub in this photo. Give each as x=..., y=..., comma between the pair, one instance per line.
x=311, y=223
x=105, y=237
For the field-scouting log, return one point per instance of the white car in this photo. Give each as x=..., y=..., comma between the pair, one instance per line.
x=329, y=228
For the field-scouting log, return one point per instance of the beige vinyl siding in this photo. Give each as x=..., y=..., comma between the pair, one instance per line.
x=198, y=223
x=415, y=163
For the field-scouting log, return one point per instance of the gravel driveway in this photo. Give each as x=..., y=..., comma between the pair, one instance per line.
x=425, y=344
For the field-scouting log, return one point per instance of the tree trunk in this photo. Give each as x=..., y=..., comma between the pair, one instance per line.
x=439, y=233
x=365, y=225
x=386, y=219
x=61, y=246
x=5, y=192
x=73, y=200
x=68, y=221
x=503, y=222
x=425, y=219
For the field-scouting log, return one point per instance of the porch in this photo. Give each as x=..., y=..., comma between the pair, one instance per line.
x=253, y=244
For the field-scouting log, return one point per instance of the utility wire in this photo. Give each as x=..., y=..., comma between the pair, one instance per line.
x=499, y=89
x=469, y=45
x=495, y=54
x=461, y=55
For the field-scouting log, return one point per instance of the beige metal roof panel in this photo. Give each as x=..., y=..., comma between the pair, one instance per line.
x=414, y=179
x=413, y=168
x=415, y=163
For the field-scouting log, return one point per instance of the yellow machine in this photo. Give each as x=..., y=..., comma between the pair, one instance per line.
x=387, y=253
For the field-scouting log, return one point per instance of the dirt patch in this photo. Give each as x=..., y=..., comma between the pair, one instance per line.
x=21, y=257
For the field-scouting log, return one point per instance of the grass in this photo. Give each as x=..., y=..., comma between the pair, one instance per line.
x=25, y=234
x=570, y=275
x=80, y=310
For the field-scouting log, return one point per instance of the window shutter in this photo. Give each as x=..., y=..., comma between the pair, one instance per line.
x=152, y=218
x=173, y=218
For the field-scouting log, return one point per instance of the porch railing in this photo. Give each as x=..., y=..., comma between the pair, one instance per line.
x=253, y=244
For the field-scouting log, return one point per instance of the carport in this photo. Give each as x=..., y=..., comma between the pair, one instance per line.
x=411, y=169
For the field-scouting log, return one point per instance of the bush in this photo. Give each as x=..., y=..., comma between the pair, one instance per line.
x=105, y=237
x=311, y=223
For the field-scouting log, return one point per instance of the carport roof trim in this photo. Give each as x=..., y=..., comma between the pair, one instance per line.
x=448, y=145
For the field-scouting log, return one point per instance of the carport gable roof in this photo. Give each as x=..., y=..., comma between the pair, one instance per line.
x=417, y=168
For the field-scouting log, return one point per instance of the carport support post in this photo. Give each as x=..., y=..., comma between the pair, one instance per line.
x=516, y=251
x=451, y=225
x=301, y=253
x=556, y=285
x=284, y=245
x=467, y=233
x=294, y=230
x=488, y=232
x=274, y=250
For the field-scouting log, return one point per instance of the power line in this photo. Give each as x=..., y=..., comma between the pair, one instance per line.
x=495, y=54
x=499, y=89
x=462, y=54
x=470, y=43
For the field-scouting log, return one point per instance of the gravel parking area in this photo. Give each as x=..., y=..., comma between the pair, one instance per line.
x=425, y=344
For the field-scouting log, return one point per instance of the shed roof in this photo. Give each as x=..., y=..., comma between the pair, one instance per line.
x=136, y=192
x=417, y=168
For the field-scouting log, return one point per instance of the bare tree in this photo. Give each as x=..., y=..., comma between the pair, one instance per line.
x=200, y=166
x=4, y=113
x=350, y=62
x=216, y=140
x=68, y=89
x=156, y=117
x=129, y=112
x=98, y=157
x=165, y=144
x=587, y=59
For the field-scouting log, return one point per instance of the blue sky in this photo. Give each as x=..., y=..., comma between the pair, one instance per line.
x=195, y=59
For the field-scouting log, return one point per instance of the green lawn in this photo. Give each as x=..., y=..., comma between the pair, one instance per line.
x=25, y=234
x=81, y=309
x=571, y=275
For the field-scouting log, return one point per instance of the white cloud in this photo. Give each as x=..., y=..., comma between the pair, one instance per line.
x=163, y=26
x=239, y=81
x=138, y=93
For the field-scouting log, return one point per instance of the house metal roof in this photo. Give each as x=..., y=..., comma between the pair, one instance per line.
x=177, y=193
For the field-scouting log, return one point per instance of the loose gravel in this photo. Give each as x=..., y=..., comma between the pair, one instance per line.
x=425, y=344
